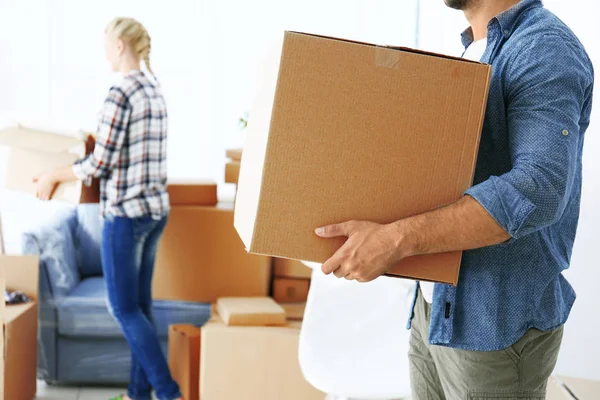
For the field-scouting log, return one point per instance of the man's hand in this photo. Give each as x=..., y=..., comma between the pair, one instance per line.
x=46, y=185
x=370, y=251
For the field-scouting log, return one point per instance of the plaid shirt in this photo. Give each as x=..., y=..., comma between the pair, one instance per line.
x=131, y=151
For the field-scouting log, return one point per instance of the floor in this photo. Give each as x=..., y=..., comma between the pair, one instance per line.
x=46, y=392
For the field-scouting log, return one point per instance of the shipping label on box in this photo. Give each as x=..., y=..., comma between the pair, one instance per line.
x=351, y=131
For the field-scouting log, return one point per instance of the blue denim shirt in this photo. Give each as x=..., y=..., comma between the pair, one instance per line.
x=528, y=177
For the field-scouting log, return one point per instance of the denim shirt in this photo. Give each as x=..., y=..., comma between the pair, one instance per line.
x=528, y=177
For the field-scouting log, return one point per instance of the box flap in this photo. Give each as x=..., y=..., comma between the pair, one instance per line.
x=21, y=273
x=36, y=140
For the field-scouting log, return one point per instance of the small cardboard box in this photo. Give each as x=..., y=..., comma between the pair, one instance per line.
x=19, y=328
x=184, y=359
x=284, y=268
x=250, y=311
x=192, y=193
x=287, y=290
x=353, y=131
x=252, y=363
x=234, y=154
x=201, y=258
x=567, y=388
x=34, y=152
x=294, y=311
x=232, y=172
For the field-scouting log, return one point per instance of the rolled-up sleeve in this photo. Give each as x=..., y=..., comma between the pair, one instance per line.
x=548, y=85
x=110, y=136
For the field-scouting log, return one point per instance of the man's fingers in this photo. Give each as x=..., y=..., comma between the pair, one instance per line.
x=335, y=230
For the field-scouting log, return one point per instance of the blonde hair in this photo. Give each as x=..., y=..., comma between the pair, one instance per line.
x=134, y=35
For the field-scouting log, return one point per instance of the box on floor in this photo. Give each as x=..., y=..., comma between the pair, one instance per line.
x=192, y=193
x=567, y=388
x=351, y=131
x=201, y=258
x=184, y=358
x=19, y=329
x=252, y=363
x=34, y=152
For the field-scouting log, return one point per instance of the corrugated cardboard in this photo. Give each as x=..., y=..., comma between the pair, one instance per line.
x=234, y=154
x=184, y=359
x=252, y=363
x=232, y=172
x=294, y=311
x=250, y=311
x=201, y=258
x=33, y=152
x=284, y=268
x=192, y=193
x=567, y=388
x=19, y=329
x=352, y=131
x=290, y=290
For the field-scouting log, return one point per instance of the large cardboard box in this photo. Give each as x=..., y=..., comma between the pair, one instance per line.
x=34, y=152
x=250, y=311
x=252, y=363
x=290, y=290
x=352, y=131
x=19, y=328
x=184, y=359
x=201, y=258
x=192, y=193
x=567, y=388
x=284, y=268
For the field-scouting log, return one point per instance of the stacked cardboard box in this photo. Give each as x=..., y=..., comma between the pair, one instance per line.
x=232, y=167
x=18, y=360
x=291, y=281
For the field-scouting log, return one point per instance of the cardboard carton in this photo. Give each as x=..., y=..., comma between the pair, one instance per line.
x=34, y=152
x=19, y=328
x=234, y=154
x=290, y=290
x=184, y=359
x=567, y=388
x=352, y=131
x=284, y=268
x=294, y=311
x=232, y=172
x=252, y=363
x=250, y=311
x=192, y=193
x=201, y=258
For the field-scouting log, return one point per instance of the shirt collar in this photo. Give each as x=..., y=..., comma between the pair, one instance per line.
x=507, y=20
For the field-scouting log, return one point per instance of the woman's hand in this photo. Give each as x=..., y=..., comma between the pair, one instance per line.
x=46, y=185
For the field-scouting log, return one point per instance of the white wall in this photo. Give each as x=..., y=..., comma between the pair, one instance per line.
x=580, y=355
x=206, y=54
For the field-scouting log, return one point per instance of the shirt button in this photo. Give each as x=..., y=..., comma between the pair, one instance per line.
x=565, y=132
x=506, y=32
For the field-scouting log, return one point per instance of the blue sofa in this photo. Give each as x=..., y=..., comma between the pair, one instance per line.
x=78, y=341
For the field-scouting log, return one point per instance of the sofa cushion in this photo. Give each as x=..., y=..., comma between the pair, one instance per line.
x=87, y=238
x=84, y=312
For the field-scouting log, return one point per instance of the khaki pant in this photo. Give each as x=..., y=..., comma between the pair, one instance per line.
x=517, y=372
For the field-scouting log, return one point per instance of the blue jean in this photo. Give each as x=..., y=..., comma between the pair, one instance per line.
x=128, y=254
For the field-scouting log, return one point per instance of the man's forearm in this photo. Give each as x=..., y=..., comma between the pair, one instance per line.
x=464, y=225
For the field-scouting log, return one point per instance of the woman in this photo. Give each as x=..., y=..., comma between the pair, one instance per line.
x=130, y=160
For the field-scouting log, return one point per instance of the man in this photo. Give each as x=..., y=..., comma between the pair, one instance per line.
x=498, y=333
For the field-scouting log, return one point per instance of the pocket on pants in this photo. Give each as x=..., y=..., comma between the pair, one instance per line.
x=506, y=396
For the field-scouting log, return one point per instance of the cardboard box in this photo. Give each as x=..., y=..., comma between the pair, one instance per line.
x=250, y=311
x=567, y=388
x=19, y=328
x=192, y=193
x=294, y=311
x=232, y=172
x=234, y=154
x=184, y=359
x=284, y=268
x=201, y=258
x=290, y=290
x=352, y=131
x=33, y=152
x=252, y=363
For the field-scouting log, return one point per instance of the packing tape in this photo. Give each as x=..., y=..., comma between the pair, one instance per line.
x=387, y=58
